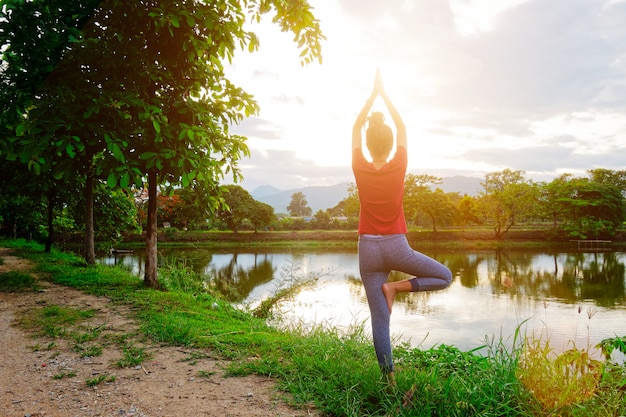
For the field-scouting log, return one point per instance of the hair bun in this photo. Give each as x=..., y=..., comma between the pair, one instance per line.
x=376, y=118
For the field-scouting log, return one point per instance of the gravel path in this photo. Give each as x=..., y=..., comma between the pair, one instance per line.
x=40, y=376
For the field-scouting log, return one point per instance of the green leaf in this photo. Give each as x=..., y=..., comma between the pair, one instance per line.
x=112, y=180
x=147, y=155
x=125, y=180
x=69, y=149
x=156, y=125
x=20, y=129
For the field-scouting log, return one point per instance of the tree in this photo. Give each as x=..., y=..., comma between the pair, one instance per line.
x=115, y=214
x=322, y=220
x=592, y=208
x=419, y=198
x=150, y=99
x=34, y=37
x=610, y=177
x=298, y=206
x=349, y=206
x=553, y=196
x=261, y=215
x=238, y=204
x=507, y=195
x=466, y=210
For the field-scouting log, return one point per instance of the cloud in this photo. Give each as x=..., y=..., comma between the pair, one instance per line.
x=259, y=128
x=282, y=169
x=542, y=58
x=544, y=159
x=537, y=85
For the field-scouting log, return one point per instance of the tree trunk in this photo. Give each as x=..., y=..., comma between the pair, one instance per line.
x=90, y=246
x=50, y=238
x=150, y=278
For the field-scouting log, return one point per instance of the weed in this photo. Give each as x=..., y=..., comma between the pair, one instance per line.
x=177, y=275
x=52, y=320
x=133, y=356
x=37, y=347
x=559, y=379
x=291, y=284
x=88, y=351
x=99, y=379
x=206, y=374
x=70, y=374
x=610, y=345
x=89, y=334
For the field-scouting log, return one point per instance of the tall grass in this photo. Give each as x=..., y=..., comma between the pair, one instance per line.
x=338, y=373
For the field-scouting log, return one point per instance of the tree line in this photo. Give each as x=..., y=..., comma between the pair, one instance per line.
x=125, y=94
x=588, y=207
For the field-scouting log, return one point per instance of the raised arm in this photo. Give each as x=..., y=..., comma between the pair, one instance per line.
x=357, y=139
x=397, y=120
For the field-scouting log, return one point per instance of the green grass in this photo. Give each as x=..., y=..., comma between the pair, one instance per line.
x=337, y=373
x=15, y=281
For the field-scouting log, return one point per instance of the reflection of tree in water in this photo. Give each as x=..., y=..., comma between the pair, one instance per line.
x=417, y=303
x=513, y=274
x=597, y=276
x=236, y=282
x=465, y=267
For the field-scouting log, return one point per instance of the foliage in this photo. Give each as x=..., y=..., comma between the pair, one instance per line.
x=299, y=206
x=612, y=344
x=421, y=200
x=467, y=211
x=348, y=207
x=557, y=380
x=177, y=275
x=238, y=203
x=507, y=196
x=138, y=92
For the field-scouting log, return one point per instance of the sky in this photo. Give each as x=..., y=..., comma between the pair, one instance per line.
x=482, y=85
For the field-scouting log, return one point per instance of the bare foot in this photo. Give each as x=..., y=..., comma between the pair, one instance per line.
x=390, y=294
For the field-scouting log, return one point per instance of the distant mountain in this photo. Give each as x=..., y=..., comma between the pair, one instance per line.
x=264, y=191
x=318, y=197
x=325, y=197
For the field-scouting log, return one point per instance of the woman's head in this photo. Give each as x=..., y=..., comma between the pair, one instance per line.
x=378, y=137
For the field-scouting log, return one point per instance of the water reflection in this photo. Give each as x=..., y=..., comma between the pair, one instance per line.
x=577, y=296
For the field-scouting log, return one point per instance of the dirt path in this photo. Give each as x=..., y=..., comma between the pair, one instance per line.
x=47, y=377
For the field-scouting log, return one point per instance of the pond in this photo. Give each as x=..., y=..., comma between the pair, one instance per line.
x=576, y=297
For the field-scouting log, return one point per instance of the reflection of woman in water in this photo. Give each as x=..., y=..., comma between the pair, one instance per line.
x=383, y=246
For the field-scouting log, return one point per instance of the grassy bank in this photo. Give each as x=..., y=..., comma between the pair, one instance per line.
x=481, y=239
x=338, y=373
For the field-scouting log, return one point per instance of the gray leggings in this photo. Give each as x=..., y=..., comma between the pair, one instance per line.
x=378, y=256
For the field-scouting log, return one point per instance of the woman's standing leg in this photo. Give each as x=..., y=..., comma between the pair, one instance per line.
x=374, y=275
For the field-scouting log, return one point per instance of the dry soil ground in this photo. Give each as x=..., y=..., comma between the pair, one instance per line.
x=36, y=372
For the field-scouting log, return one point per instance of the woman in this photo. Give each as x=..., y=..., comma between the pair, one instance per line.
x=383, y=246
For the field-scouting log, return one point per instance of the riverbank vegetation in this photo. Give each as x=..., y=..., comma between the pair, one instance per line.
x=514, y=375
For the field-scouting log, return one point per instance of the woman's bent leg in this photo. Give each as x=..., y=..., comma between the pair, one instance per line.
x=429, y=274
